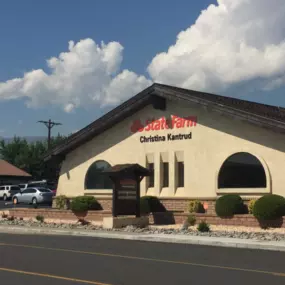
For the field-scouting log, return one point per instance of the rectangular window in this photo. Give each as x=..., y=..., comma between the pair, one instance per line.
x=165, y=182
x=180, y=174
x=151, y=177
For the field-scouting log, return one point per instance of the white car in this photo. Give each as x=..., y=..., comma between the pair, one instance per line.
x=8, y=191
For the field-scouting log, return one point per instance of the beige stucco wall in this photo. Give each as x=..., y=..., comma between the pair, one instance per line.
x=214, y=138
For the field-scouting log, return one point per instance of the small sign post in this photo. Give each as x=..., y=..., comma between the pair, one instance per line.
x=126, y=188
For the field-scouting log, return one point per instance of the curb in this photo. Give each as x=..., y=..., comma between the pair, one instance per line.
x=177, y=239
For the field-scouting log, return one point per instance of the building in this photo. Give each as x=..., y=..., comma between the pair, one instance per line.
x=199, y=145
x=10, y=174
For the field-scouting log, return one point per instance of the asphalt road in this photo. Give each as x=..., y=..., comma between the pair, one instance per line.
x=10, y=205
x=59, y=260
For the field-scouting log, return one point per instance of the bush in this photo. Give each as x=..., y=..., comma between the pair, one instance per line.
x=269, y=207
x=144, y=206
x=84, y=203
x=229, y=205
x=196, y=207
x=203, y=227
x=4, y=216
x=191, y=220
x=40, y=218
x=251, y=206
x=151, y=204
x=61, y=201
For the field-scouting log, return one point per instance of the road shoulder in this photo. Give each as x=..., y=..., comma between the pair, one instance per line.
x=179, y=239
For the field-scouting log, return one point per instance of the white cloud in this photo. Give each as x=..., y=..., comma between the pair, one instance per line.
x=230, y=42
x=87, y=73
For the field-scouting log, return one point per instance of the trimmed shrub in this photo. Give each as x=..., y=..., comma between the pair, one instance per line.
x=196, y=207
x=84, y=203
x=61, y=201
x=251, y=206
x=144, y=206
x=229, y=205
x=269, y=207
x=203, y=227
x=191, y=220
x=151, y=204
x=40, y=218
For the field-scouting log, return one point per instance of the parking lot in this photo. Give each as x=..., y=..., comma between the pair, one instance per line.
x=9, y=204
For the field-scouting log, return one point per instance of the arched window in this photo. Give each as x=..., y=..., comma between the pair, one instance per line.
x=94, y=179
x=242, y=170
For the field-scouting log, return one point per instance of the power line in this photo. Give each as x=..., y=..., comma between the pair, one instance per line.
x=49, y=124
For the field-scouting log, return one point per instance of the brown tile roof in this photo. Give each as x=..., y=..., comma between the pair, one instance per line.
x=267, y=116
x=7, y=169
x=269, y=111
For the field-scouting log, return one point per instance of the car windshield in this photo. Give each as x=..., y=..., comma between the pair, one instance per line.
x=44, y=190
x=37, y=184
x=15, y=188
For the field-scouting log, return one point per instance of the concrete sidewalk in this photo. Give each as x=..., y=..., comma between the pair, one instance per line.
x=171, y=238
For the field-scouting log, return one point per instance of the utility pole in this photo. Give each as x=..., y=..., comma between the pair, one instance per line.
x=49, y=124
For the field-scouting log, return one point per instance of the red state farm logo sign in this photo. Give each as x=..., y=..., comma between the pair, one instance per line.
x=163, y=124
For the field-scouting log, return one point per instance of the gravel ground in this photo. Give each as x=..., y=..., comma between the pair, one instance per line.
x=277, y=234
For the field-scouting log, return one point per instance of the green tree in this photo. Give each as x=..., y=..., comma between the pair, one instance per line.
x=29, y=156
x=15, y=152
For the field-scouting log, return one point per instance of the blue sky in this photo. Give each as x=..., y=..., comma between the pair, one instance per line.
x=34, y=31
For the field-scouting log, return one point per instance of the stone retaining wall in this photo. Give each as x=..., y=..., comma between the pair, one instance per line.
x=181, y=204
x=171, y=204
x=174, y=204
x=58, y=214
x=155, y=218
x=237, y=220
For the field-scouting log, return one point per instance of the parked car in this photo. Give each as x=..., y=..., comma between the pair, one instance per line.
x=8, y=191
x=35, y=195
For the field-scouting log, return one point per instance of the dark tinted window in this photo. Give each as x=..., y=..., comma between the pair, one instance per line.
x=39, y=184
x=15, y=188
x=180, y=174
x=242, y=170
x=151, y=177
x=165, y=169
x=95, y=179
x=2, y=188
x=44, y=190
x=29, y=191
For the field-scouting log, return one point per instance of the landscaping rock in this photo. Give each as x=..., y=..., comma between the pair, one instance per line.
x=216, y=231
